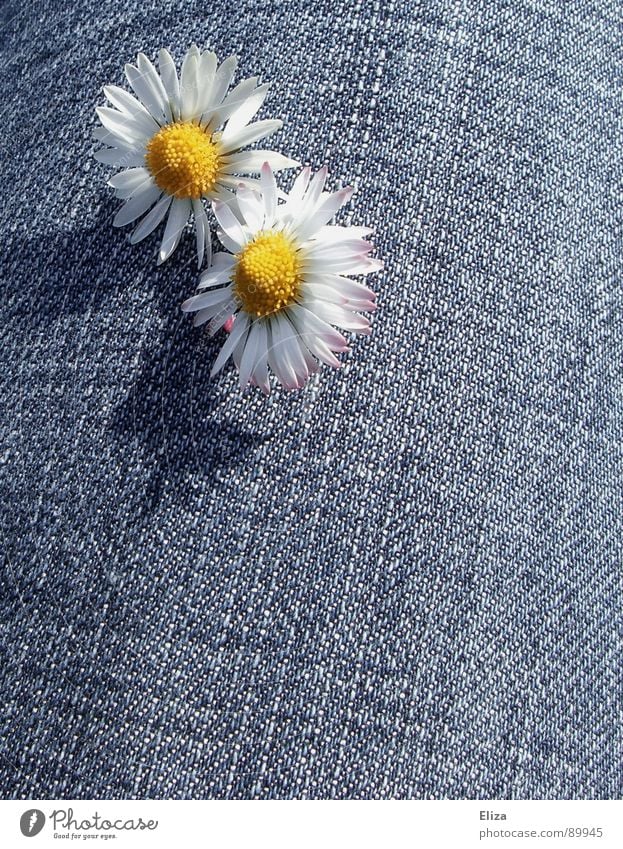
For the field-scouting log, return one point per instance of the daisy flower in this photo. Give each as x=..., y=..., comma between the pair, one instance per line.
x=180, y=140
x=283, y=281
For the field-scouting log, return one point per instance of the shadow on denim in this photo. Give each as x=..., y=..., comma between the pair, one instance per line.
x=175, y=420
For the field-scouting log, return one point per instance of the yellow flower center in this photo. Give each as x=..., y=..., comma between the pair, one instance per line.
x=268, y=274
x=184, y=160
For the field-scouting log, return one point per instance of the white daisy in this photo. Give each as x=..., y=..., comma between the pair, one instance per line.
x=180, y=142
x=284, y=281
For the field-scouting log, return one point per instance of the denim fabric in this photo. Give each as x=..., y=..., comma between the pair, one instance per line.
x=404, y=581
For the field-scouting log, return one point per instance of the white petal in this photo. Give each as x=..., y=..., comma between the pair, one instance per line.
x=347, y=264
x=318, y=348
x=155, y=83
x=343, y=286
x=310, y=362
x=224, y=195
x=307, y=324
x=260, y=371
x=145, y=93
x=103, y=135
x=206, y=72
x=315, y=298
x=360, y=306
x=365, y=266
x=314, y=343
x=269, y=195
x=238, y=333
x=170, y=81
x=132, y=191
x=326, y=294
x=125, y=143
x=189, y=85
x=119, y=157
x=127, y=183
x=314, y=190
x=324, y=212
x=218, y=113
x=128, y=179
x=206, y=300
x=235, y=237
x=123, y=125
x=221, y=262
x=201, y=317
x=217, y=313
x=250, y=134
x=238, y=351
x=178, y=216
x=247, y=110
x=294, y=352
x=251, y=207
x=223, y=315
x=251, y=161
x=226, y=242
x=233, y=183
x=278, y=358
x=124, y=101
x=203, y=229
x=295, y=196
x=208, y=239
x=239, y=94
x=320, y=292
x=223, y=78
x=151, y=220
x=339, y=249
x=249, y=355
x=137, y=206
x=339, y=316
x=219, y=271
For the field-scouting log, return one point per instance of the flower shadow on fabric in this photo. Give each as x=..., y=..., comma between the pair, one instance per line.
x=73, y=268
x=174, y=431
x=177, y=426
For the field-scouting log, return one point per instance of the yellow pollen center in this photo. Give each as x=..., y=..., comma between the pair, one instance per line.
x=268, y=274
x=184, y=160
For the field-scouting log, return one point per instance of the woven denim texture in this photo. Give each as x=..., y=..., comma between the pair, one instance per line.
x=404, y=581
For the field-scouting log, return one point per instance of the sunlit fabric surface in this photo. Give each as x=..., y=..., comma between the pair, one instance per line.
x=404, y=581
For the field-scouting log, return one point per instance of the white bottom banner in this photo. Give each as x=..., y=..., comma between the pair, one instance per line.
x=301, y=824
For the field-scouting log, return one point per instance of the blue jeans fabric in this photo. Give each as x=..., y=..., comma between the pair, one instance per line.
x=404, y=581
